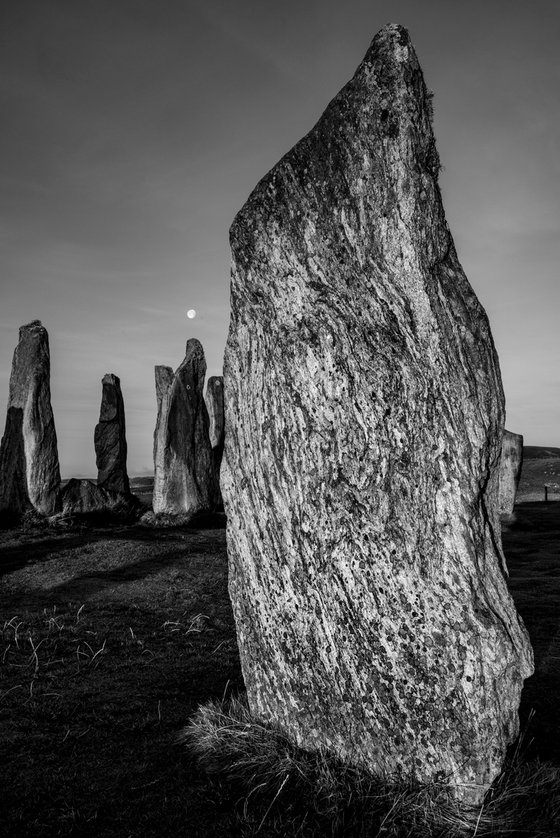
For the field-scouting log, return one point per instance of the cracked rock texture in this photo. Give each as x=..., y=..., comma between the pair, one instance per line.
x=29, y=469
x=110, y=438
x=511, y=463
x=185, y=480
x=364, y=416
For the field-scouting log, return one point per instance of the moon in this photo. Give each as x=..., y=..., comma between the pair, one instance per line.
x=191, y=313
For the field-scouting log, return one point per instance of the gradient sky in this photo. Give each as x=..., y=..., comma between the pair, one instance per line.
x=133, y=131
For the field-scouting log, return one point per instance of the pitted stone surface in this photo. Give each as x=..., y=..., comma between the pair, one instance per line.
x=110, y=438
x=29, y=469
x=185, y=480
x=511, y=463
x=364, y=416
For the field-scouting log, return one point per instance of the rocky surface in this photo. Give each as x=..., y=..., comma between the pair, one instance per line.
x=163, y=377
x=110, y=438
x=364, y=414
x=185, y=480
x=29, y=469
x=84, y=496
x=215, y=405
x=511, y=462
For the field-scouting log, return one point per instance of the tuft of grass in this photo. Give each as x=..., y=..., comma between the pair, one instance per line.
x=297, y=792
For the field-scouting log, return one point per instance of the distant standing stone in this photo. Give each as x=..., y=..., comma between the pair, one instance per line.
x=185, y=480
x=29, y=469
x=215, y=405
x=110, y=438
x=511, y=462
x=364, y=414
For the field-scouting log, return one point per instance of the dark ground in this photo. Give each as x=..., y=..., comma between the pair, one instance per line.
x=112, y=637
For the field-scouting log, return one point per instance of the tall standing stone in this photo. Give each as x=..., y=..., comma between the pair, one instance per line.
x=163, y=377
x=511, y=463
x=110, y=438
x=215, y=405
x=29, y=469
x=184, y=474
x=364, y=414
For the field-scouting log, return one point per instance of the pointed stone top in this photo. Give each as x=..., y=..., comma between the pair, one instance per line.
x=111, y=378
x=33, y=326
x=194, y=347
x=194, y=353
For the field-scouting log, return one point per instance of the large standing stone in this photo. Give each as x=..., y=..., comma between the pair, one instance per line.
x=215, y=405
x=364, y=415
x=110, y=438
x=511, y=462
x=29, y=469
x=185, y=480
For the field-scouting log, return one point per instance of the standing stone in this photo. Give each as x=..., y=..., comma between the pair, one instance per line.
x=184, y=475
x=29, y=469
x=364, y=414
x=215, y=405
x=110, y=438
x=164, y=377
x=511, y=462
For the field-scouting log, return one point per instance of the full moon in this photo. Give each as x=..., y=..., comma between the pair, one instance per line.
x=191, y=313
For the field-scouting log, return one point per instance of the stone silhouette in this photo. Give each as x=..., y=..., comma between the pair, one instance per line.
x=110, y=438
x=29, y=469
x=185, y=480
x=511, y=462
x=364, y=410
x=215, y=405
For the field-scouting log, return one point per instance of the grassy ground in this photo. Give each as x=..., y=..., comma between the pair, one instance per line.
x=112, y=637
x=111, y=640
x=535, y=474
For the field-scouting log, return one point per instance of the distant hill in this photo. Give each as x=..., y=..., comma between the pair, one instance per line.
x=538, y=452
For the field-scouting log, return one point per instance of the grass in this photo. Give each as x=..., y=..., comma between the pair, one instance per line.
x=110, y=640
x=114, y=636
x=294, y=792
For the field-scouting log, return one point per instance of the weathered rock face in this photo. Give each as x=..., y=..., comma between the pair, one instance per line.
x=511, y=462
x=215, y=405
x=81, y=496
x=364, y=414
x=110, y=438
x=164, y=377
x=185, y=480
x=29, y=469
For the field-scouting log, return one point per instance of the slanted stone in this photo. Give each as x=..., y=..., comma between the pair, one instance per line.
x=184, y=475
x=110, y=438
x=364, y=414
x=29, y=469
x=511, y=462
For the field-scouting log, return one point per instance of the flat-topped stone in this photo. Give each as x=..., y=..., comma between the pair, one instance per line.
x=511, y=463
